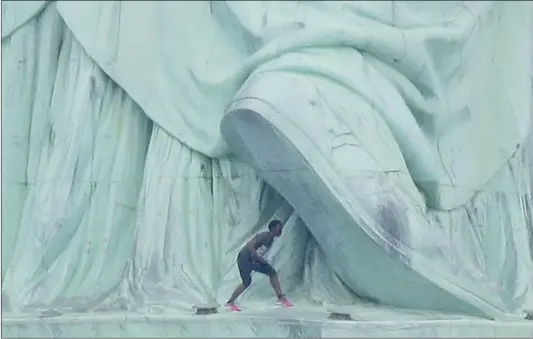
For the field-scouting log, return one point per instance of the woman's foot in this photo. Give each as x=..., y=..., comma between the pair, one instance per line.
x=282, y=301
x=232, y=307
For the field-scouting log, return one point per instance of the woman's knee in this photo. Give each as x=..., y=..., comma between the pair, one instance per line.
x=271, y=272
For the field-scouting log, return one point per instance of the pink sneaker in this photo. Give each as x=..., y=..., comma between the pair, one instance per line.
x=284, y=302
x=232, y=307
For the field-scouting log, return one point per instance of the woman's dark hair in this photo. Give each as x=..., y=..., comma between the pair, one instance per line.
x=273, y=224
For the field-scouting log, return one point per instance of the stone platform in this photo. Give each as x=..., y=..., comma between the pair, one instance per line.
x=261, y=322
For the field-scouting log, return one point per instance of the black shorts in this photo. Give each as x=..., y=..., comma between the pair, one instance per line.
x=246, y=265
